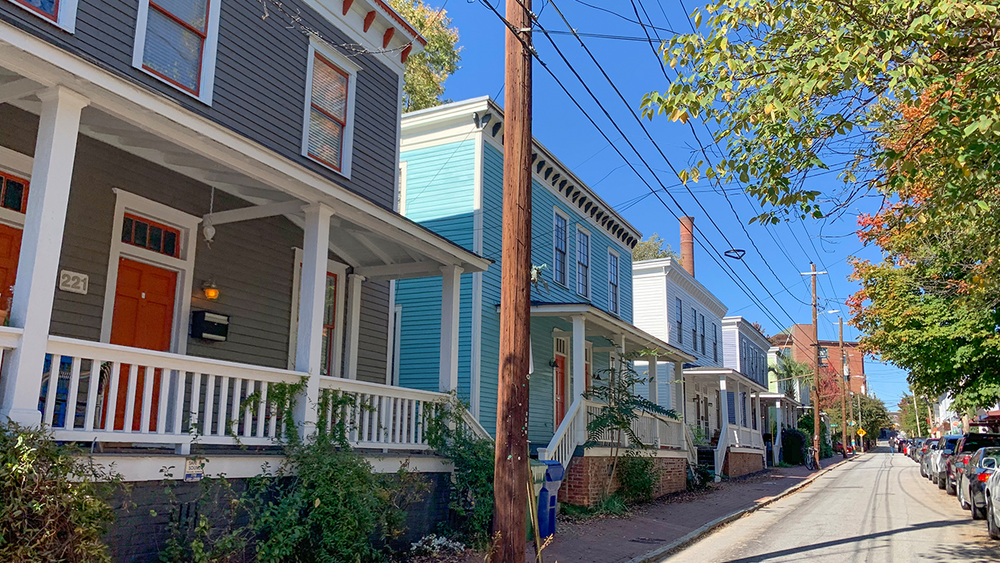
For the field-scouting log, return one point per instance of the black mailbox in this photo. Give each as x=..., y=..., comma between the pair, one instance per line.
x=209, y=326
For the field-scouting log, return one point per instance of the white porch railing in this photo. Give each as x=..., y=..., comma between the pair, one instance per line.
x=92, y=391
x=572, y=432
x=737, y=437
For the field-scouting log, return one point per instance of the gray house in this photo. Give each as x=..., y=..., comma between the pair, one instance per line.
x=197, y=203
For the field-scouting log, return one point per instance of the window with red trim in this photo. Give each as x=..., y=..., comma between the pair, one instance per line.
x=13, y=193
x=328, y=112
x=48, y=9
x=329, y=324
x=176, y=31
x=150, y=235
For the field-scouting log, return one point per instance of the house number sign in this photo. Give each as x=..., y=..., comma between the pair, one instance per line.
x=73, y=282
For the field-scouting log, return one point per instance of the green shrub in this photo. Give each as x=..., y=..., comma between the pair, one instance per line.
x=699, y=477
x=206, y=530
x=637, y=476
x=793, y=444
x=52, y=501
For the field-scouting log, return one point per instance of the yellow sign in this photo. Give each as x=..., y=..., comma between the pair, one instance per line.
x=861, y=432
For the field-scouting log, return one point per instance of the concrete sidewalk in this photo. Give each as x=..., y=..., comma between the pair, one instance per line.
x=661, y=523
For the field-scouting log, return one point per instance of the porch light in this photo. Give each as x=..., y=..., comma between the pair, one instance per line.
x=211, y=290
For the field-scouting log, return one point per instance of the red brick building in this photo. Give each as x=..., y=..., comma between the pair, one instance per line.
x=797, y=341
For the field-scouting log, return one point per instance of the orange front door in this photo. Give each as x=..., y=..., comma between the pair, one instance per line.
x=143, y=318
x=10, y=250
x=560, y=381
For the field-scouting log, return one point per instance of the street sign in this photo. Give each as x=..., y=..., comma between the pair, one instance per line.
x=861, y=432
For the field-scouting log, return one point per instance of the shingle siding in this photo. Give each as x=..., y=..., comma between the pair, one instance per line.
x=260, y=80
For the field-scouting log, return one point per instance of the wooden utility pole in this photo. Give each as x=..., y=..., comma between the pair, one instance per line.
x=511, y=455
x=843, y=391
x=815, y=385
x=916, y=412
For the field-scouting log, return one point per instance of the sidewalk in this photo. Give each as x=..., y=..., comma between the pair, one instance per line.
x=620, y=540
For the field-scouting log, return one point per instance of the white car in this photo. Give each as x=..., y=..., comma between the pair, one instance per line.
x=992, y=494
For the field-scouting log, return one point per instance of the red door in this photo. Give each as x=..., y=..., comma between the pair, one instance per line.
x=560, y=381
x=10, y=250
x=143, y=318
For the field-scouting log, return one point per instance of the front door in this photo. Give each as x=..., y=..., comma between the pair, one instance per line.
x=10, y=251
x=560, y=382
x=143, y=318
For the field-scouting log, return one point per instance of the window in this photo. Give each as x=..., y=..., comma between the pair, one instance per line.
x=559, y=244
x=613, y=282
x=583, y=263
x=680, y=322
x=329, y=324
x=701, y=319
x=150, y=235
x=61, y=13
x=175, y=41
x=715, y=343
x=694, y=329
x=329, y=110
x=13, y=193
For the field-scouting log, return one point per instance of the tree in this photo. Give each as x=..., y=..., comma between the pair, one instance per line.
x=909, y=417
x=895, y=97
x=652, y=248
x=786, y=371
x=870, y=413
x=425, y=73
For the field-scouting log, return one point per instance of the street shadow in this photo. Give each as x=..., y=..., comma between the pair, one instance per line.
x=799, y=550
x=963, y=552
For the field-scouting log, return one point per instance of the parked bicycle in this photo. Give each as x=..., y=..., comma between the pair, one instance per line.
x=810, y=458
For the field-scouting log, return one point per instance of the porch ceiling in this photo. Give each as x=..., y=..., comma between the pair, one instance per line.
x=780, y=397
x=375, y=241
x=714, y=373
x=601, y=323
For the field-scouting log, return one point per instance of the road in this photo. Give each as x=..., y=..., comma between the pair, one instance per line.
x=874, y=509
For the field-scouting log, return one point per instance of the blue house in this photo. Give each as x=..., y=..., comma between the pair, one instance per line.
x=451, y=181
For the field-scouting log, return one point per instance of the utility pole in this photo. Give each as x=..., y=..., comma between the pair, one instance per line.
x=916, y=411
x=843, y=391
x=815, y=385
x=510, y=492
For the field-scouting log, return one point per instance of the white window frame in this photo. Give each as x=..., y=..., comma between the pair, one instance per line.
x=679, y=307
x=206, y=81
x=351, y=69
x=618, y=285
x=401, y=197
x=183, y=264
x=337, y=339
x=65, y=14
x=590, y=261
x=557, y=213
x=16, y=164
x=567, y=376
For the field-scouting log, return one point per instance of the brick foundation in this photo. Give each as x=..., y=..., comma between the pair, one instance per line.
x=584, y=482
x=738, y=464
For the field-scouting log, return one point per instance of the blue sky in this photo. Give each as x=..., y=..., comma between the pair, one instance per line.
x=782, y=251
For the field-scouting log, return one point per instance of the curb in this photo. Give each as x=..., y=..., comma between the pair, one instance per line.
x=693, y=536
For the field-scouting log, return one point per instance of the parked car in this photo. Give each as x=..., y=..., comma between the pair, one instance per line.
x=926, y=456
x=992, y=491
x=945, y=449
x=972, y=480
x=914, y=450
x=954, y=465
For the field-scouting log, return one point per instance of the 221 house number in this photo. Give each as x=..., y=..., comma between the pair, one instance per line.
x=73, y=282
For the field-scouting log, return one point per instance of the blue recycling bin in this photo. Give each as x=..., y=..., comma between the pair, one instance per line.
x=547, y=498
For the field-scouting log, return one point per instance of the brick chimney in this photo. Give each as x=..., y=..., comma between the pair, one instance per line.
x=687, y=244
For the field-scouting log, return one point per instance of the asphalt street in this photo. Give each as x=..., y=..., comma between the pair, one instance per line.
x=874, y=509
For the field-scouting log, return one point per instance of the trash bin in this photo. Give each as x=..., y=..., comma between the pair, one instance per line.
x=547, y=498
x=537, y=470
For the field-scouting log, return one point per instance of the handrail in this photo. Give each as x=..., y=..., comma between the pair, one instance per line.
x=10, y=337
x=691, y=448
x=368, y=388
x=475, y=426
x=565, y=433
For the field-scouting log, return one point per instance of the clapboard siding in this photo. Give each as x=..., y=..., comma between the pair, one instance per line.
x=252, y=262
x=440, y=183
x=490, y=348
x=260, y=81
x=649, y=293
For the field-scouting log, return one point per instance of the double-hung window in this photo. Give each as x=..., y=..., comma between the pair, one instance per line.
x=176, y=40
x=680, y=322
x=61, y=13
x=694, y=329
x=559, y=248
x=583, y=264
x=701, y=319
x=715, y=343
x=613, y=282
x=329, y=326
x=329, y=111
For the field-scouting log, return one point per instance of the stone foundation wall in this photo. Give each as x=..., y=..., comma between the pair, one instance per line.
x=738, y=464
x=584, y=482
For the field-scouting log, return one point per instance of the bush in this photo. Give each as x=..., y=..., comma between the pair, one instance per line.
x=637, y=476
x=52, y=502
x=793, y=444
x=699, y=477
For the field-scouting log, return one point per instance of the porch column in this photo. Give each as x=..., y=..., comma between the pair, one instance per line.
x=654, y=395
x=723, y=401
x=779, y=425
x=312, y=302
x=451, y=293
x=41, y=243
x=680, y=388
x=578, y=363
x=759, y=418
x=353, y=324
